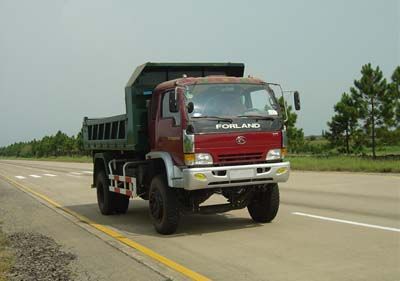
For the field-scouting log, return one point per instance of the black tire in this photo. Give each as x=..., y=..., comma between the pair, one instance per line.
x=265, y=204
x=163, y=206
x=121, y=203
x=105, y=198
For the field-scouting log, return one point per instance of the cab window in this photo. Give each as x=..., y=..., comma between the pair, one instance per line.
x=165, y=112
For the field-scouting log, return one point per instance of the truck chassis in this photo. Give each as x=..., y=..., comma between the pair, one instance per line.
x=117, y=180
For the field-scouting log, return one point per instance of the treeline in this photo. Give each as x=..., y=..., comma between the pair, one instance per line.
x=56, y=145
x=368, y=115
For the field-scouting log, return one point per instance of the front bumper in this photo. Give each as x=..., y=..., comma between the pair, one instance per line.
x=227, y=176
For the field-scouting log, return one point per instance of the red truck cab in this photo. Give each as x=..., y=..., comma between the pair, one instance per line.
x=220, y=131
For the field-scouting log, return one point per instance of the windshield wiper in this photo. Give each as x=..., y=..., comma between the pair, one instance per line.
x=261, y=117
x=218, y=118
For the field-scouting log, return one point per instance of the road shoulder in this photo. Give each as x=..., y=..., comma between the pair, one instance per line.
x=96, y=260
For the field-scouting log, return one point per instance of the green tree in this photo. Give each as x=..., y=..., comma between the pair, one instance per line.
x=394, y=90
x=79, y=143
x=295, y=136
x=344, y=123
x=375, y=107
x=58, y=145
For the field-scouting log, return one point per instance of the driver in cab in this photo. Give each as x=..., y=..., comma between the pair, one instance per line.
x=224, y=104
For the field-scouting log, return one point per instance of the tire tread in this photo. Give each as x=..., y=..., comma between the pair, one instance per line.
x=265, y=204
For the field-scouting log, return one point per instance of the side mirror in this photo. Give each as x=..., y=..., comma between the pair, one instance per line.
x=296, y=100
x=173, y=101
x=190, y=107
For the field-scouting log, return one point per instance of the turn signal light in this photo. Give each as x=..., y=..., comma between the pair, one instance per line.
x=200, y=177
x=189, y=158
x=281, y=170
x=284, y=152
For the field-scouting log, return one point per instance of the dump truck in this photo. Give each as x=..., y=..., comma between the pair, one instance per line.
x=191, y=130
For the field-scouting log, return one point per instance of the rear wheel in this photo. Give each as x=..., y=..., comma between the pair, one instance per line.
x=105, y=198
x=121, y=203
x=163, y=205
x=265, y=204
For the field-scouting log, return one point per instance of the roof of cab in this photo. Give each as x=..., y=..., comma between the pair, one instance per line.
x=217, y=79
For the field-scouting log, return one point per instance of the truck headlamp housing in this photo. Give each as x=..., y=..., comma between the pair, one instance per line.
x=198, y=159
x=274, y=154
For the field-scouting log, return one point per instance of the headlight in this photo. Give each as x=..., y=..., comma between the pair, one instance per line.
x=198, y=159
x=274, y=154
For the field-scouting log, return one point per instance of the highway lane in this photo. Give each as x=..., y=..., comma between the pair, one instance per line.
x=331, y=226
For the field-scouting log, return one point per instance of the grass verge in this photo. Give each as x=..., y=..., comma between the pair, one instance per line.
x=77, y=159
x=5, y=257
x=343, y=163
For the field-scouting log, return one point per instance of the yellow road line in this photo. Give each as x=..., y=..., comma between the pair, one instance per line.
x=114, y=234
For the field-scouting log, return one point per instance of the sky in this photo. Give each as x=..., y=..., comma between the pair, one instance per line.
x=61, y=60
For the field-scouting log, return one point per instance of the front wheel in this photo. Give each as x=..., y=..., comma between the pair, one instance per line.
x=163, y=205
x=105, y=198
x=265, y=204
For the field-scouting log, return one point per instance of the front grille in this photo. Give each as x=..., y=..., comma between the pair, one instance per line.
x=242, y=157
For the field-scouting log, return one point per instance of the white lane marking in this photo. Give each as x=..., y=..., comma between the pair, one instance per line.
x=49, y=175
x=35, y=176
x=87, y=172
x=348, y=222
x=76, y=173
x=20, y=177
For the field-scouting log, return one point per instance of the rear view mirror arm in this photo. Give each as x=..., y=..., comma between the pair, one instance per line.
x=284, y=101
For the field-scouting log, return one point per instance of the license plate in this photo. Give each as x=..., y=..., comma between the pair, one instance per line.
x=241, y=174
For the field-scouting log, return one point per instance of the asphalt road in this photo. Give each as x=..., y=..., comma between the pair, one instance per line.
x=330, y=226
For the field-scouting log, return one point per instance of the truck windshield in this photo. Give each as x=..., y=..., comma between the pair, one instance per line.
x=232, y=101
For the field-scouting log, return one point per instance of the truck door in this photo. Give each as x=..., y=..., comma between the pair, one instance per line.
x=169, y=129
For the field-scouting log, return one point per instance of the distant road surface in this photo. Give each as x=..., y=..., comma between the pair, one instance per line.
x=330, y=226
